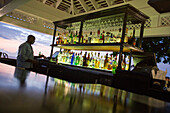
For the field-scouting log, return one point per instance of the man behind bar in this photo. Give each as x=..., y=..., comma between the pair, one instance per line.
x=25, y=58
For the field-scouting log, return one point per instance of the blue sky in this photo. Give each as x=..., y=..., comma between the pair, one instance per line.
x=12, y=36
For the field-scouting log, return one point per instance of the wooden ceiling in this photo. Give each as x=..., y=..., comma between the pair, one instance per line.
x=80, y=6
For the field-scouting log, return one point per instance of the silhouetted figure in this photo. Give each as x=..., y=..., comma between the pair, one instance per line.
x=25, y=58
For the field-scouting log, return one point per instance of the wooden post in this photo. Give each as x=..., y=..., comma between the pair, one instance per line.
x=52, y=46
x=141, y=34
x=80, y=32
x=130, y=60
x=122, y=41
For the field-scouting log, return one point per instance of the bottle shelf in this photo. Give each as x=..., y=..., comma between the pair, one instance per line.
x=99, y=47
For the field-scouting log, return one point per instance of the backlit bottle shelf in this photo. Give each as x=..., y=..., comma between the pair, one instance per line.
x=99, y=47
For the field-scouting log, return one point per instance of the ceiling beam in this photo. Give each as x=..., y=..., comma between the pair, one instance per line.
x=108, y=2
x=73, y=8
x=94, y=3
x=84, y=5
x=44, y=1
x=58, y=3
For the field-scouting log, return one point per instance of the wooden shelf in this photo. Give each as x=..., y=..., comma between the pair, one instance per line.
x=99, y=47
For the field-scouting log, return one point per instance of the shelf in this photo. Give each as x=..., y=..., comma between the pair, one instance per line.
x=99, y=47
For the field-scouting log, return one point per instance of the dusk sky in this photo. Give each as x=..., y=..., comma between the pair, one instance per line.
x=12, y=36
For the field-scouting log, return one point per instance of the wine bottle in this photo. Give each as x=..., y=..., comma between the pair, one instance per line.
x=133, y=39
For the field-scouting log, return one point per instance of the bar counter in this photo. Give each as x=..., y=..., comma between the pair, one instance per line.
x=136, y=82
x=46, y=94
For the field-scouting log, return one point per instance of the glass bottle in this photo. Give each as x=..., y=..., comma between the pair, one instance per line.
x=98, y=60
x=133, y=39
x=95, y=60
x=75, y=38
x=89, y=37
x=114, y=65
x=106, y=61
x=72, y=59
x=77, y=59
x=71, y=38
x=101, y=63
x=92, y=60
x=85, y=59
x=88, y=60
x=123, y=63
x=81, y=59
x=60, y=57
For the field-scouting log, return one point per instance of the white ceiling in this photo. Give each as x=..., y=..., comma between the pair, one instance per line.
x=53, y=10
x=44, y=12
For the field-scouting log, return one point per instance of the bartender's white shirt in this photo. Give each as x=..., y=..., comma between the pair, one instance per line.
x=25, y=52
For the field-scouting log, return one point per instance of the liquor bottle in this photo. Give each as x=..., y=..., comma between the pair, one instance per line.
x=127, y=63
x=110, y=61
x=111, y=38
x=68, y=39
x=118, y=38
x=123, y=63
x=98, y=60
x=106, y=61
x=85, y=59
x=93, y=38
x=101, y=63
x=65, y=40
x=81, y=59
x=90, y=37
x=67, y=57
x=114, y=65
x=72, y=59
x=57, y=39
x=60, y=57
x=107, y=37
x=64, y=56
x=133, y=39
x=77, y=59
x=71, y=38
x=75, y=38
x=92, y=60
x=95, y=60
x=88, y=60
x=85, y=40
x=98, y=33
x=103, y=36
